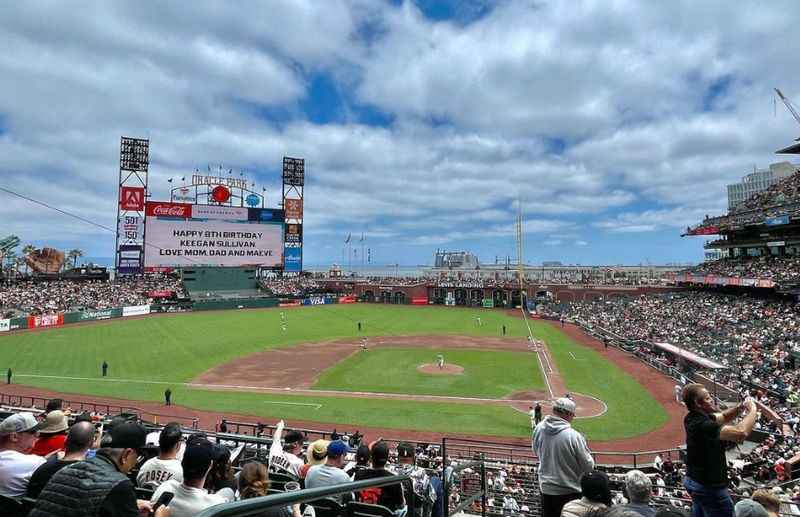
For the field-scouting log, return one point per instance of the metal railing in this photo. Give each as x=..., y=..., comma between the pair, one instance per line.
x=448, y=475
x=79, y=406
x=257, y=505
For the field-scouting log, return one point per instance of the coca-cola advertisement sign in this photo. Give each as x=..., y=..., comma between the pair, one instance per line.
x=161, y=209
x=46, y=320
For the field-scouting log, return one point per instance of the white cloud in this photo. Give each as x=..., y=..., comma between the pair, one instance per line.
x=594, y=116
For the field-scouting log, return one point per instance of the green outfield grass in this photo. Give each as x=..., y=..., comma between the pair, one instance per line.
x=154, y=352
x=487, y=374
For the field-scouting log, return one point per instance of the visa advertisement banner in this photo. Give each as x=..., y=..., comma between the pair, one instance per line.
x=5, y=325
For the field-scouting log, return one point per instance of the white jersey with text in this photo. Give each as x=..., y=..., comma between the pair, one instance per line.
x=283, y=462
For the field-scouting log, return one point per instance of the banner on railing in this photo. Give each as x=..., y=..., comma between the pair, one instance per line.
x=100, y=314
x=488, y=303
x=46, y=320
x=723, y=280
x=294, y=303
x=347, y=299
x=419, y=300
x=135, y=310
x=5, y=325
x=160, y=294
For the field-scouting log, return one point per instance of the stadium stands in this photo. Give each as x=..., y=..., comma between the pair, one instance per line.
x=31, y=297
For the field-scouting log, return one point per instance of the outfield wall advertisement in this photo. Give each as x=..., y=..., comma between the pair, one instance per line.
x=5, y=325
x=46, y=320
x=136, y=310
x=185, y=242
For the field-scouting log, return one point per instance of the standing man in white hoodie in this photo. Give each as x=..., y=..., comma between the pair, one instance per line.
x=563, y=458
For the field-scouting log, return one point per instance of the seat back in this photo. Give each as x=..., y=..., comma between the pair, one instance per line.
x=355, y=509
x=327, y=507
x=278, y=480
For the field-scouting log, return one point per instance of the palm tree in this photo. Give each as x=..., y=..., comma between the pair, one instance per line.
x=74, y=254
x=27, y=250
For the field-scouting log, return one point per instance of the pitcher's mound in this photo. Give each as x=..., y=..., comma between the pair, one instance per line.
x=447, y=369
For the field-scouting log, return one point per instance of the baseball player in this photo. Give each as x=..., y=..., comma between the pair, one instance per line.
x=440, y=361
x=364, y=344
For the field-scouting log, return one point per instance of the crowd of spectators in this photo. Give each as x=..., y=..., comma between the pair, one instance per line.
x=780, y=199
x=783, y=192
x=296, y=286
x=96, y=469
x=752, y=337
x=42, y=297
x=783, y=270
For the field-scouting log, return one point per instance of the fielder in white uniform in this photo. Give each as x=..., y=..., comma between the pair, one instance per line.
x=440, y=361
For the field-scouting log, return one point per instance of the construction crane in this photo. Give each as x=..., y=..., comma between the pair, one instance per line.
x=788, y=105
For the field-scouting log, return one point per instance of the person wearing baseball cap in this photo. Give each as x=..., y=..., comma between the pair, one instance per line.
x=284, y=453
x=595, y=494
x=390, y=496
x=564, y=458
x=424, y=495
x=18, y=434
x=190, y=498
x=330, y=472
x=99, y=485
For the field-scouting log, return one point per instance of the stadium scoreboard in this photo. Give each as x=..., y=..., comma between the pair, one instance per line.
x=182, y=234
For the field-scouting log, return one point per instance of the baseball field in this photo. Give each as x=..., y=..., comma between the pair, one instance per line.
x=309, y=363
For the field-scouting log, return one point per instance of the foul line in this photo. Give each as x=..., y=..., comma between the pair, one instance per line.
x=315, y=406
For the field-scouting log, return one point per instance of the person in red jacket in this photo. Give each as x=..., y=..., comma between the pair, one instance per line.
x=53, y=435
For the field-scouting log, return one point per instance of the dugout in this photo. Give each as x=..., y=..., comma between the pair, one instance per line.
x=220, y=282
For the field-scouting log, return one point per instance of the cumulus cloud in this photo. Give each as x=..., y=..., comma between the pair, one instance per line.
x=598, y=118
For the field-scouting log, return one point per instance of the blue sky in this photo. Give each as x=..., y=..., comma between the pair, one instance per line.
x=422, y=123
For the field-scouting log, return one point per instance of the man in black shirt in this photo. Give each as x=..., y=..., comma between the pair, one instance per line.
x=79, y=440
x=706, y=468
x=389, y=496
x=98, y=486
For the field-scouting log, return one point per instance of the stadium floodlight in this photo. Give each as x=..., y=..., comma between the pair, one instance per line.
x=134, y=154
x=294, y=170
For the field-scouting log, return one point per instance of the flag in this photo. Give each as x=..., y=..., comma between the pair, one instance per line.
x=362, y=237
x=183, y=178
x=209, y=167
x=348, y=238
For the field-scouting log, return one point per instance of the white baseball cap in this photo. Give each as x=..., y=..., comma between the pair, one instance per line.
x=564, y=405
x=19, y=423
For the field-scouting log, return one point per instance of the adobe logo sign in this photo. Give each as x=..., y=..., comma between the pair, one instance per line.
x=156, y=209
x=131, y=198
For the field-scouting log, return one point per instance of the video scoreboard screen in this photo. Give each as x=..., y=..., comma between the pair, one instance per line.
x=182, y=234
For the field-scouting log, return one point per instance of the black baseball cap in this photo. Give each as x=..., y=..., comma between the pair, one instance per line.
x=293, y=436
x=594, y=486
x=197, y=459
x=380, y=452
x=127, y=435
x=405, y=450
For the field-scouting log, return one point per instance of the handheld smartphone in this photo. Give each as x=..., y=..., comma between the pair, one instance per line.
x=163, y=500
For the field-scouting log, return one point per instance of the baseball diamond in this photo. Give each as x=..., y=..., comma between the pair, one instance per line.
x=243, y=362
